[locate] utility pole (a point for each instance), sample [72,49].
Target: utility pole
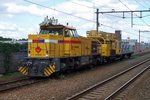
[131,19]
[139,41]
[97,19]
[140,37]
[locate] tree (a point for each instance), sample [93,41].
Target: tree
[7,49]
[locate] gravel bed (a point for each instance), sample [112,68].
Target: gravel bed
[138,90]
[59,89]
[102,91]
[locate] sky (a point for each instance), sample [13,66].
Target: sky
[18,18]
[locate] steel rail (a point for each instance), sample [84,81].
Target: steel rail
[126,84]
[82,93]
[12,81]
[16,83]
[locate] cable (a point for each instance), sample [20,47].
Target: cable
[108,26]
[140,3]
[146,16]
[124,17]
[120,17]
[113,15]
[139,25]
[145,3]
[97,6]
[67,13]
[59,11]
[92,2]
[124,31]
[134,13]
[82,5]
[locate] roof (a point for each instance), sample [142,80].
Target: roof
[57,26]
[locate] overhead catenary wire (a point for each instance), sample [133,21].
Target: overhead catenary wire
[128,25]
[92,3]
[139,24]
[137,16]
[146,16]
[66,13]
[146,3]
[117,16]
[134,13]
[59,11]
[90,7]
[113,15]
[124,31]
[115,22]
[140,4]
[82,5]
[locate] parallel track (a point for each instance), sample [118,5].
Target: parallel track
[105,90]
[16,83]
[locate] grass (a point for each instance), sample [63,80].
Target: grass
[9,76]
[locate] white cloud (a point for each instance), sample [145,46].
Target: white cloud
[11,30]
[7,26]
[78,10]
[13,8]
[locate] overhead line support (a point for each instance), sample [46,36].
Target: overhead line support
[97,19]
[126,11]
[133,11]
[131,19]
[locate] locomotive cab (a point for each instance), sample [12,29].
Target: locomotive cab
[47,48]
[51,27]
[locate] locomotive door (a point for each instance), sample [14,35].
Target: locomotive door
[52,50]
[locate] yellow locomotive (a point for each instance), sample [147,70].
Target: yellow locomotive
[58,48]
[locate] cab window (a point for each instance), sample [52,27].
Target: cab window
[73,33]
[52,31]
[67,33]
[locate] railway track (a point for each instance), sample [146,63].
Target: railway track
[17,83]
[111,87]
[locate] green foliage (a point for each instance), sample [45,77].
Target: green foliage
[6,49]
[5,39]
[10,76]
[22,46]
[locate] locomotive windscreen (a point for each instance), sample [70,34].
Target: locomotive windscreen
[53,31]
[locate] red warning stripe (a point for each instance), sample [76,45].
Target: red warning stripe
[38,41]
[35,41]
[72,41]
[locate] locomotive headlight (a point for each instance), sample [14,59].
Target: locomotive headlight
[46,53]
[29,53]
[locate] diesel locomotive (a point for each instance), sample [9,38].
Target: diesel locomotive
[59,47]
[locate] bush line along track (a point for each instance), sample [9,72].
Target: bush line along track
[16,83]
[102,90]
